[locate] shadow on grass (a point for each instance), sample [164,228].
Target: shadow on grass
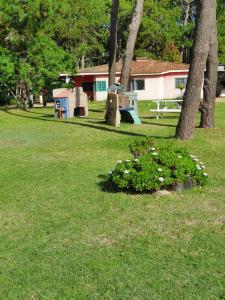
[96,110]
[154,121]
[106,186]
[40,113]
[158,124]
[104,126]
[166,117]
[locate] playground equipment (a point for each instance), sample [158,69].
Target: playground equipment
[70,102]
[121,105]
[62,110]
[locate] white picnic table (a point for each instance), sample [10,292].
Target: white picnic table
[160,110]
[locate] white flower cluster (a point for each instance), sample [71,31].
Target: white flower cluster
[161,179]
[119,161]
[154,153]
[152,149]
[159,169]
[136,160]
[200,165]
[126,172]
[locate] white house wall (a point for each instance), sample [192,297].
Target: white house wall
[156,87]
[153,89]
[170,87]
[100,96]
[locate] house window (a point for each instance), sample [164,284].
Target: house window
[138,85]
[100,86]
[180,81]
[88,86]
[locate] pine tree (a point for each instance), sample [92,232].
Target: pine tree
[191,101]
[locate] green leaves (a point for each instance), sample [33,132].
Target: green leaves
[48,60]
[29,52]
[157,169]
[221,30]
[41,38]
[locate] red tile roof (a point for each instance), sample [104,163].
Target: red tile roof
[140,66]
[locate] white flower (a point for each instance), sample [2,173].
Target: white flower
[136,160]
[195,159]
[192,156]
[159,169]
[152,149]
[110,172]
[161,179]
[119,161]
[203,167]
[205,174]
[154,153]
[126,172]
[198,167]
[179,156]
[127,160]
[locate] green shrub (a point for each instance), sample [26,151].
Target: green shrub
[157,169]
[141,147]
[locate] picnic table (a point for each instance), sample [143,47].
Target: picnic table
[160,110]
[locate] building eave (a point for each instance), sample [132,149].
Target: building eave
[134,74]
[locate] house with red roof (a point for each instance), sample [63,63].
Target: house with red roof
[150,79]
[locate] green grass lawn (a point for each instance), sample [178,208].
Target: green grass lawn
[64,237]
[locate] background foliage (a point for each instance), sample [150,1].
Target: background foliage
[41,38]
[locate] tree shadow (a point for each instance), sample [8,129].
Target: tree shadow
[158,124]
[98,120]
[96,110]
[4,108]
[154,117]
[40,113]
[156,121]
[106,128]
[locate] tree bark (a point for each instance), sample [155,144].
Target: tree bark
[187,121]
[210,81]
[113,41]
[82,62]
[133,31]
[186,10]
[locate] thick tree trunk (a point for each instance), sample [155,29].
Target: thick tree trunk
[186,8]
[133,31]
[210,80]
[22,94]
[113,41]
[191,101]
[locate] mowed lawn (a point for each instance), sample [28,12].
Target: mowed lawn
[63,236]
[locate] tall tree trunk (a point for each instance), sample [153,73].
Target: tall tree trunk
[113,41]
[210,80]
[186,125]
[133,31]
[82,62]
[186,8]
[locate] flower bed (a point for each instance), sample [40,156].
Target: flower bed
[157,169]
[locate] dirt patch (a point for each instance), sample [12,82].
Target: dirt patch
[99,240]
